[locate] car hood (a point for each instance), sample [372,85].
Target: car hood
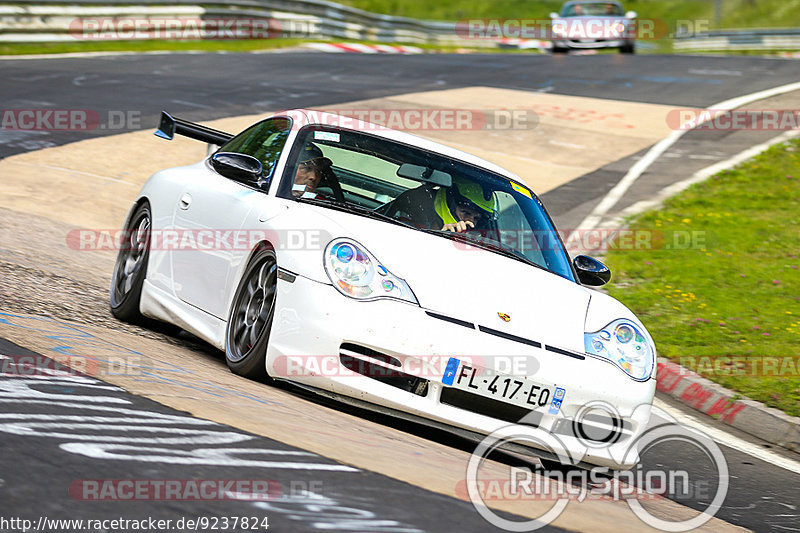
[464,282]
[620,18]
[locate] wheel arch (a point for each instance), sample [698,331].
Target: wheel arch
[134,206]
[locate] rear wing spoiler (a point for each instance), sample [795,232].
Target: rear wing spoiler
[170,126]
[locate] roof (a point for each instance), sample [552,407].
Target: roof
[305,117]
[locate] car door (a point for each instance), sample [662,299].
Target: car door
[209,216]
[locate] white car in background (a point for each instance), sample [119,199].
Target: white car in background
[592,25]
[355,290]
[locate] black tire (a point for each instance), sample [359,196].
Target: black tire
[559,50]
[130,269]
[250,319]
[627,48]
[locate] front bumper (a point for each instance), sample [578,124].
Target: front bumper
[590,44]
[315,329]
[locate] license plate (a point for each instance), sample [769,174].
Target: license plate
[515,390]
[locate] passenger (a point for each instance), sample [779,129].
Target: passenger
[311,168]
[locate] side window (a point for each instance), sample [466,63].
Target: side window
[264,141]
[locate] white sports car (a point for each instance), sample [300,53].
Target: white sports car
[393,272]
[593,24]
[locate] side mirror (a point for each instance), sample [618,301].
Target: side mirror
[553,15]
[591,271]
[239,167]
[630,15]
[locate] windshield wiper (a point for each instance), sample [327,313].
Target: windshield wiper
[483,244]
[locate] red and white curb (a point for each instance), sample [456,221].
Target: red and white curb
[524,44]
[754,418]
[356,48]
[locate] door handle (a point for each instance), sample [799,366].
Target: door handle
[186,201]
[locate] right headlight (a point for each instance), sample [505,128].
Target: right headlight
[622,343]
[358,274]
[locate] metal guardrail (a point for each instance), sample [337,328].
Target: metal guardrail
[54,20]
[751,39]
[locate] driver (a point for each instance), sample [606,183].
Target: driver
[463,206]
[311,167]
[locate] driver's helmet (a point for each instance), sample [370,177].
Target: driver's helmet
[466,193]
[471,194]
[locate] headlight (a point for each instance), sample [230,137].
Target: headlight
[622,343]
[358,274]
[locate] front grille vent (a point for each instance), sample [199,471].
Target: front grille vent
[365,361]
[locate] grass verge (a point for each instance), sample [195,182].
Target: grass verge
[733,289]
[252,45]
[734,13]
[231,45]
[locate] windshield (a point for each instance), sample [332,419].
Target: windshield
[592,9]
[372,176]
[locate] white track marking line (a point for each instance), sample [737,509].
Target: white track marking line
[71,55]
[731,441]
[700,175]
[619,190]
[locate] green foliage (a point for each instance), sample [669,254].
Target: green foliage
[735,13]
[735,289]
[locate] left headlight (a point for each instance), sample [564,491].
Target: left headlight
[623,343]
[356,273]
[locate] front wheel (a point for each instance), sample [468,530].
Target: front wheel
[131,267]
[250,319]
[627,48]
